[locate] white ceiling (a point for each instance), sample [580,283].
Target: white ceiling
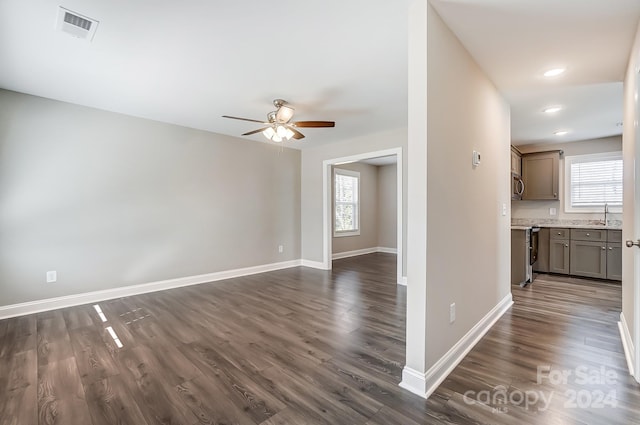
[190,62]
[381,160]
[516,41]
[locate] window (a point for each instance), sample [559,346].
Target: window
[591,181]
[347,202]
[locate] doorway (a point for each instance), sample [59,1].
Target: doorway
[327,211]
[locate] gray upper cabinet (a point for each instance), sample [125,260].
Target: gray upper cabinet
[540,173]
[516,165]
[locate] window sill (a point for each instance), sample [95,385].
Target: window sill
[344,234]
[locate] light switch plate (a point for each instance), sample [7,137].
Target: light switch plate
[476,158]
[504,209]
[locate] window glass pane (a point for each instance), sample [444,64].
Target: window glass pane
[346,203]
[596,183]
[345,217]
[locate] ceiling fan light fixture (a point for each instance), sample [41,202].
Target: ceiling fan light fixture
[281,131]
[289,134]
[276,138]
[284,114]
[269,133]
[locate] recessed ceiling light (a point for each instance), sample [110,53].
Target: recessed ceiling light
[552,109]
[560,132]
[554,72]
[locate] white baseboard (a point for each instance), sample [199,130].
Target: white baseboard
[355,253]
[364,251]
[313,264]
[125,291]
[424,384]
[627,344]
[403,281]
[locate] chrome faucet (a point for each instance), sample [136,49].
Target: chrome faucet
[606,211]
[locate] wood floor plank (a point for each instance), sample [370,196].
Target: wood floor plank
[110,402]
[304,346]
[92,354]
[20,336]
[18,385]
[157,399]
[61,397]
[52,338]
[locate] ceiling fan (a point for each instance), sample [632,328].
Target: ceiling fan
[279,126]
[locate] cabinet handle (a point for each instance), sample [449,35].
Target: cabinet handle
[566,245]
[559,233]
[610,248]
[604,247]
[588,234]
[555,195]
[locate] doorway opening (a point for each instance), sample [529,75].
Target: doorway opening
[353,217]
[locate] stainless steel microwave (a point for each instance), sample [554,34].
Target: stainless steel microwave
[517,186]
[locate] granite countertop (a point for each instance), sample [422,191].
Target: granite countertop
[525,223]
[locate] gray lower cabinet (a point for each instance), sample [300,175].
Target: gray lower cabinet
[589,259]
[559,256]
[614,261]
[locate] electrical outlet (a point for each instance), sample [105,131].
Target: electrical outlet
[280,249]
[452,313]
[553,211]
[504,209]
[52,276]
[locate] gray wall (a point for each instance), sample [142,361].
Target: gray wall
[387,206]
[459,243]
[110,200]
[540,209]
[368,237]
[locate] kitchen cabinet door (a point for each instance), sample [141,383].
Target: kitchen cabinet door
[540,173]
[516,166]
[559,256]
[614,261]
[589,259]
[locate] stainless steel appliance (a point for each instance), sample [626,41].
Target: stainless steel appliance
[517,186]
[524,254]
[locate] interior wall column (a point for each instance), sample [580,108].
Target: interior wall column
[413,375]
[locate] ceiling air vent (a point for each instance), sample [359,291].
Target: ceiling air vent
[75,24]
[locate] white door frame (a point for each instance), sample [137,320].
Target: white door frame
[636,213]
[327,213]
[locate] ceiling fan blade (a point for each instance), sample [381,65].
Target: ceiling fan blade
[296,134]
[249,133]
[311,124]
[244,119]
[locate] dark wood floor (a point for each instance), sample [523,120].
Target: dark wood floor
[303,346]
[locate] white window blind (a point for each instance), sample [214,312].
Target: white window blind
[594,180]
[347,185]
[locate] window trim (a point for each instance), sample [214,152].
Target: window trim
[344,233]
[568,160]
